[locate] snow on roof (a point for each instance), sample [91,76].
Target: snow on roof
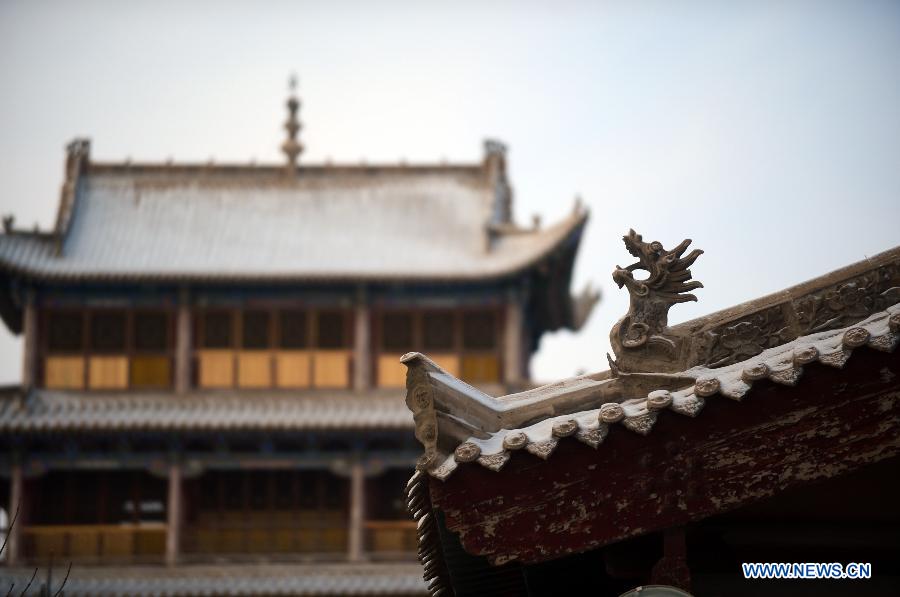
[262,223]
[56,410]
[782,364]
[321,578]
[822,320]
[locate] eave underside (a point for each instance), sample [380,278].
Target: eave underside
[736,453]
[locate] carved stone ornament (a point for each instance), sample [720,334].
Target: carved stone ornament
[707,386]
[659,399]
[467,452]
[855,337]
[849,301]
[611,413]
[806,355]
[755,372]
[738,341]
[564,428]
[515,441]
[641,339]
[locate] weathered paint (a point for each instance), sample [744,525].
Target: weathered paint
[834,422]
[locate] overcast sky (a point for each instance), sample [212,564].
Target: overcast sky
[768,132]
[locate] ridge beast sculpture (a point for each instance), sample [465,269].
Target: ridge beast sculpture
[642,340]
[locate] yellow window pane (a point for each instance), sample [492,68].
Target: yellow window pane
[292,368]
[481,368]
[331,368]
[64,373]
[391,373]
[216,368]
[107,373]
[150,372]
[447,362]
[254,369]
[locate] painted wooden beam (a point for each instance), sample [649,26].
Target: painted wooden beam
[833,422]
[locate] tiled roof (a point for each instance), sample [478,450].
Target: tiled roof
[263,224]
[243,579]
[486,430]
[48,410]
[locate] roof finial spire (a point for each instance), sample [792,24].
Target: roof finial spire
[291,147]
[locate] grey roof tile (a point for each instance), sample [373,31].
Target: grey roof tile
[151,223]
[242,579]
[41,410]
[552,406]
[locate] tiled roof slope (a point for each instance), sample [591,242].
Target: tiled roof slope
[47,410]
[233,580]
[261,223]
[562,418]
[822,320]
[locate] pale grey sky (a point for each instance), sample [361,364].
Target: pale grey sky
[769,132]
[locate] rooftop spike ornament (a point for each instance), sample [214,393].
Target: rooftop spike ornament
[291,147]
[642,339]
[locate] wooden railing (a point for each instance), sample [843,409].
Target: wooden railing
[391,538]
[326,539]
[144,542]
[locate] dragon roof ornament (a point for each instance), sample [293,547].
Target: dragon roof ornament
[660,367]
[642,339]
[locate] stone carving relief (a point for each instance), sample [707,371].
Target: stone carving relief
[641,339]
[643,342]
[736,341]
[849,302]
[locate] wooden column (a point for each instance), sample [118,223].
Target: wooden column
[362,340]
[173,514]
[183,345]
[356,537]
[16,502]
[512,341]
[672,568]
[30,348]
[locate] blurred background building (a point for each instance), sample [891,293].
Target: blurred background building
[212,362]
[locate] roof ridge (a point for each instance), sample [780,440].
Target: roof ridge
[273,168]
[444,411]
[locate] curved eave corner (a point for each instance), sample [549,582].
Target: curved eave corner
[458,425]
[553,306]
[578,306]
[10,303]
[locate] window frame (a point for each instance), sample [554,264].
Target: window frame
[86,352]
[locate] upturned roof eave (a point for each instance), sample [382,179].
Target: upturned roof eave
[460,415]
[562,232]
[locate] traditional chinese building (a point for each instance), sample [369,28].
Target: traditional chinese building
[767,432]
[212,363]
